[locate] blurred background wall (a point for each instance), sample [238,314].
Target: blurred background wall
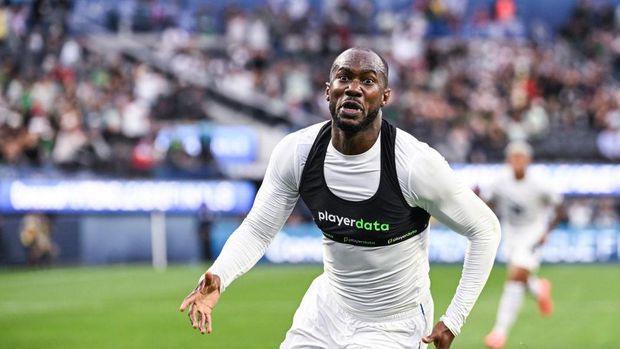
[110,111]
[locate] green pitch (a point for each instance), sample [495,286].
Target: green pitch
[136,307]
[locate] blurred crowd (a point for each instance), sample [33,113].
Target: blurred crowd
[467,83]
[64,108]
[585,212]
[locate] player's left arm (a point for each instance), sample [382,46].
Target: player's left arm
[438,190]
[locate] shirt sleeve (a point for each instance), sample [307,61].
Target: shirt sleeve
[273,204]
[437,189]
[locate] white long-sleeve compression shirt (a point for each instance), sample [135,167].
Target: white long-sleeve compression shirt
[372,282]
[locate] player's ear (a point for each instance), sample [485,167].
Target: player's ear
[386,96]
[327,91]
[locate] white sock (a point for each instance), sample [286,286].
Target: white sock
[509,306]
[533,286]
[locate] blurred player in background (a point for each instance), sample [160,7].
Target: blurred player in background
[36,237]
[371,189]
[205,217]
[523,203]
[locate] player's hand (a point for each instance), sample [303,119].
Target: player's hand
[441,336]
[476,190]
[201,302]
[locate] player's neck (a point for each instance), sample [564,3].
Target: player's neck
[358,142]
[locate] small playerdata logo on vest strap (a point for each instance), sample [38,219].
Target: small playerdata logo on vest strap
[359,223]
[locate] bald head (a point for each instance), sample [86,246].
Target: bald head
[370,58]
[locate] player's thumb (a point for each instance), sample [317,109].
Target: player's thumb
[209,285]
[208,278]
[430,338]
[185,303]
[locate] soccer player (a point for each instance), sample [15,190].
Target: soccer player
[371,189]
[523,203]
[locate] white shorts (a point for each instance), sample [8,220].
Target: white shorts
[521,246]
[320,322]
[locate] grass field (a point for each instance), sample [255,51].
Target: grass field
[136,307]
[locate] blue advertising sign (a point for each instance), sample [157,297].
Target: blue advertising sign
[238,144]
[229,144]
[568,179]
[228,197]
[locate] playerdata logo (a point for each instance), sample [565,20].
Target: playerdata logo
[360,224]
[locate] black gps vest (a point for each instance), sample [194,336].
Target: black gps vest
[383,219]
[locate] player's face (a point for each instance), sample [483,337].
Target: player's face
[518,162]
[356,91]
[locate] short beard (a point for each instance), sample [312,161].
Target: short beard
[352,129]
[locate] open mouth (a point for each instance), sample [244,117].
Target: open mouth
[351,107]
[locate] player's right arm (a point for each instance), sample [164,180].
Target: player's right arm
[274,202]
